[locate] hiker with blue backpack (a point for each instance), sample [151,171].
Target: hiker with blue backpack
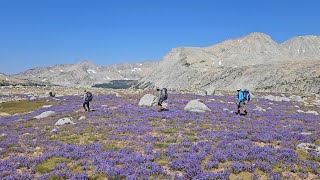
[243,98]
[163,95]
[87,97]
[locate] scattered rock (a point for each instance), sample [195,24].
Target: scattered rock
[306,133]
[308,147]
[269,108]
[3,135]
[45,114]
[46,106]
[312,112]
[63,121]
[300,111]
[277,98]
[147,100]
[225,109]
[32,98]
[258,108]
[82,118]
[196,106]
[296,99]
[316,102]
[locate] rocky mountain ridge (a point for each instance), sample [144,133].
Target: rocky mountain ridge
[86,73]
[254,61]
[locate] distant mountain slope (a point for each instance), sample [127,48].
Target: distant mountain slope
[254,61]
[86,73]
[6,80]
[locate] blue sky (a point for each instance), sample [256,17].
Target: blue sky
[46,32]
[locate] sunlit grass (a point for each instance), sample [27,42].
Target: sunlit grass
[49,164]
[14,107]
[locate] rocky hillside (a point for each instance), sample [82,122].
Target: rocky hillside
[6,80]
[86,73]
[254,61]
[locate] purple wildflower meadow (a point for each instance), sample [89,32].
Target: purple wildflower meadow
[120,140]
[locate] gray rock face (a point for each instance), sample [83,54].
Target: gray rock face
[147,100]
[63,121]
[308,147]
[86,74]
[196,106]
[45,114]
[254,62]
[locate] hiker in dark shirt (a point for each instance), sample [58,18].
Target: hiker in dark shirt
[87,98]
[163,95]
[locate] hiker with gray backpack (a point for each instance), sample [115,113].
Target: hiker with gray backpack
[243,98]
[163,95]
[87,97]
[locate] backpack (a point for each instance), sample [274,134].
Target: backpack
[246,95]
[164,93]
[89,97]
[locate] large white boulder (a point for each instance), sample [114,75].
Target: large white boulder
[211,90]
[63,121]
[148,100]
[196,106]
[45,114]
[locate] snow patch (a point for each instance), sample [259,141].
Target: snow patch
[91,71]
[7,79]
[220,63]
[136,69]
[140,64]
[44,80]
[61,70]
[51,71]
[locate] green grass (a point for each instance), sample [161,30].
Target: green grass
[66,138]
[161,145]
[49,164]
[302,154]
[190,133]
[110,146]
[171,140]
[162,162]
[14,107]
[97,176]
[192,138]
[168,131]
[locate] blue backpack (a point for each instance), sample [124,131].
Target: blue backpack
[246,95]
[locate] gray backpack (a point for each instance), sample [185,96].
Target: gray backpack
[89,97]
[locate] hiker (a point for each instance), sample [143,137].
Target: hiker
[87,97]
[243,98]
[163,95]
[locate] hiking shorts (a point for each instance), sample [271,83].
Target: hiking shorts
[160,101]
[241,105]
